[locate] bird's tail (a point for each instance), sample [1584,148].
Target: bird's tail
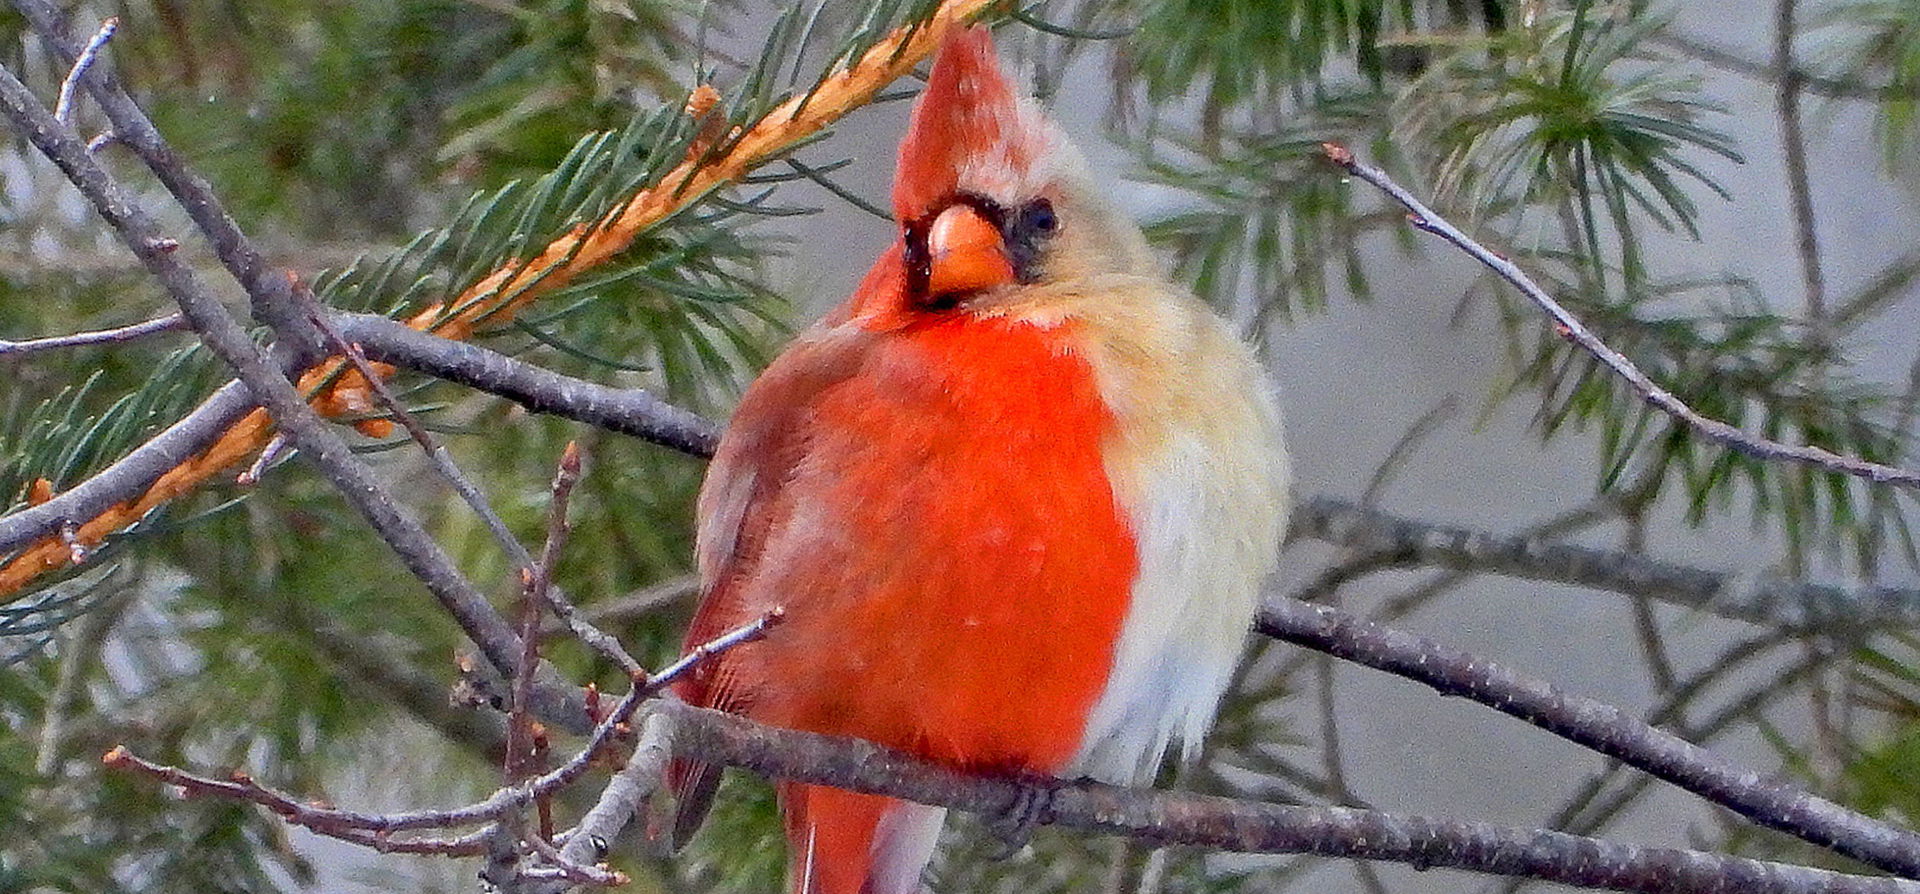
[840,842]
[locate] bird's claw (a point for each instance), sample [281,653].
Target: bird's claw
[1032,806]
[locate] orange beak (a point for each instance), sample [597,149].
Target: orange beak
[965,253]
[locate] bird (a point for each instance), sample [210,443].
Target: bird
[1014,499]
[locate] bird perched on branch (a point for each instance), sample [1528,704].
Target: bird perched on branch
[1016,495]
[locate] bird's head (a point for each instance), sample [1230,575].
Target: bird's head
[990,194]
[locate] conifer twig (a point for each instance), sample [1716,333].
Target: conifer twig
[496,297]
[1570,328]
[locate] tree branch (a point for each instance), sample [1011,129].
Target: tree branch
[266,289]
[316,440]
[1598,726]
[1162,817]
[500,809]
[1570,328]
[627,411]
[166,466]
[1818,84]
[1759,598]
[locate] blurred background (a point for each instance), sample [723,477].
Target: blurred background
[1729,207]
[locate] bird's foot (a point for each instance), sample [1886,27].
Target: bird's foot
[1032,807]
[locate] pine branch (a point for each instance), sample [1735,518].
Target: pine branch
[1780,603]
[306,430]
[1569,327]
[132,480]
[499,296]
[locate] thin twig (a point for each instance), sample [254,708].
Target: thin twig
[1799,190]
[644,601]
[275,450]
[1331,758]
[495,807]
[170,323]
[1404,448]
[599,640]
[318,817]
[518,761]
[1569,327]
[63,111]
[436,452]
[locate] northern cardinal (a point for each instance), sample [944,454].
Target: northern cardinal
[1015,496]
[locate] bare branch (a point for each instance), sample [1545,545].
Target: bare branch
[1570,328]
[16,349]
[1799,190]
[1601,727]
[1161,817]
[626,411]
[63,110]
[373,829]
[317,817]
[605,643]
[1755,597]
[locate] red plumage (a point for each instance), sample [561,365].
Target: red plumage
[984,512]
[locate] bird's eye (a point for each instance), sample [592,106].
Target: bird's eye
[1038,216]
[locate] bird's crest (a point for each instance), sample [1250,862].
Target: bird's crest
[970,132]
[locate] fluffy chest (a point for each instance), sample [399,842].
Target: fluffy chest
[932,508]
[1197,463]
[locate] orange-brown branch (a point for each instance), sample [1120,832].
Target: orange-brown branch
[502,294]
